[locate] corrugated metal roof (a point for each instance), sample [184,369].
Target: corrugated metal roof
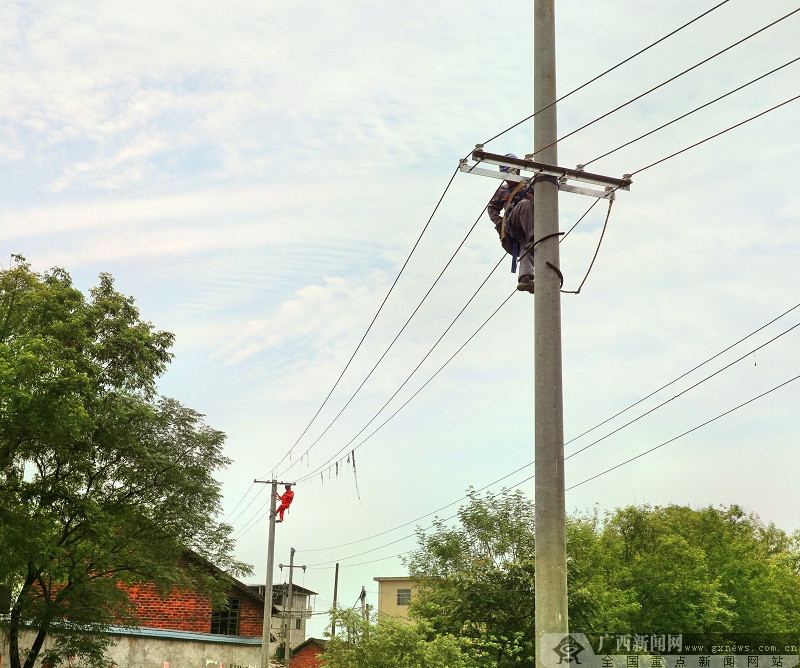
[170,634]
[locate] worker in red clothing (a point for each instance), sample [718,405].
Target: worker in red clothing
[286,501]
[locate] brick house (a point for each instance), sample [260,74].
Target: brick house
[189,611]
[305,655]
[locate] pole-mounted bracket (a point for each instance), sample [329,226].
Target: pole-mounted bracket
[563,174]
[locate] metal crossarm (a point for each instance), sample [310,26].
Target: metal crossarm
[563,174]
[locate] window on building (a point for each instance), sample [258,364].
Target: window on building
[298,624]
[226,620]
[403,596]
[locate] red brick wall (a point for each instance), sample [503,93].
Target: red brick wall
[306,657]
[189,611]
[251,616]
[180,611]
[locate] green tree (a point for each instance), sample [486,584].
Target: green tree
[389,643]
[101,480]
[712,570]
[666,569]
[476,581]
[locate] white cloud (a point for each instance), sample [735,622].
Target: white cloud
[257,174]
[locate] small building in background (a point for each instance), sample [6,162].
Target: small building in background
[394,596]
[307,654]
[299,614]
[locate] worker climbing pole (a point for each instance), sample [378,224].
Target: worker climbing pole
[286,500]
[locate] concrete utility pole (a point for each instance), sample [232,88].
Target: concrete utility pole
[335,593]
[266,629]
[548,179]
[551,552]
[363,598]
[289,608]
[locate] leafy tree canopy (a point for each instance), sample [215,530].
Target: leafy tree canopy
[642,569]
[102,481]
[389,643]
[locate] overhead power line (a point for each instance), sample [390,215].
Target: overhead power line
[661,405]
[670,80]
[629,407]
[422,361]
[683,375]
[689,431]
[394,340]
[344,448]
[374,318]
[689,113]
[608,71]
[714,136]
[288,453]
[688,389]
[422,387]
[325,564]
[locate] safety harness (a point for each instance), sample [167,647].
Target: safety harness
[514,242]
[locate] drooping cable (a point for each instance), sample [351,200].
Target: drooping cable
[394,340]
[714,136]
[689,113]
[374,318]
[596,251]
[428,354]
[608,71]
[664,83]
[689,431]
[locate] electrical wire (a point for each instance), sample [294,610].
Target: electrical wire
[344,448]
[683,375]
[450,359]
[241,512]
[661,405]
[664,83]
[597,250]
[259,514]
[238,503]
[714,136]
[394,340]
[689,113]
[422,361]
[672,440]
[372,322]
[500,134]
[594,477]
[608,71]
[636,403]
[688,389]
[414,521]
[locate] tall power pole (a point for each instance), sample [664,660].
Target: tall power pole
[551,552]
[266,629]
[335,594]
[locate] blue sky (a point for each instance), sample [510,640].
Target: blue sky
[256,175]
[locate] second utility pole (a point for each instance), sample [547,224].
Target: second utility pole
[550,531]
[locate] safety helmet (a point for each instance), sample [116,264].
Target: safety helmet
[503,168]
